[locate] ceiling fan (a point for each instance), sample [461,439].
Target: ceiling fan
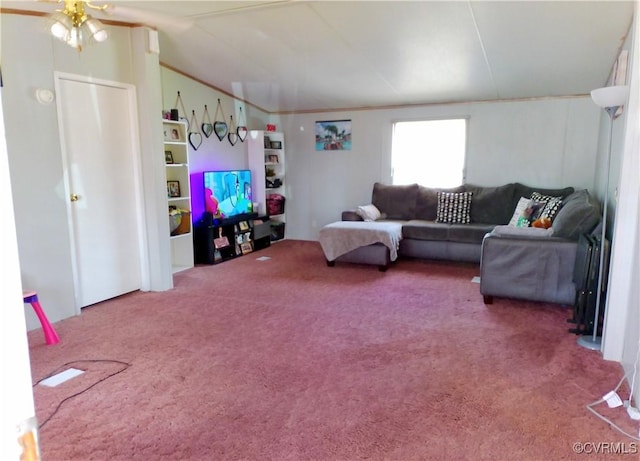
[77,28]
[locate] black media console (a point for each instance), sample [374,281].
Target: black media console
[218,240]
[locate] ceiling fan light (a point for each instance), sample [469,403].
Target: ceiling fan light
[76,28]
[75,39]
[95,30]
[61,25]
[610,96]
[60,32]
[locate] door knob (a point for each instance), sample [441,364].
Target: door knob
[74,197]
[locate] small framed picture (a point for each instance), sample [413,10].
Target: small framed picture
[173,188]
[220,242]
[174,134]
[244,225]
[168,157]
[272,158]
[246,248]
[276,145]
[267,142]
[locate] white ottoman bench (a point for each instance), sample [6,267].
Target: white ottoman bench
[361,242]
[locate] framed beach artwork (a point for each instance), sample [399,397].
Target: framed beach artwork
[333,135]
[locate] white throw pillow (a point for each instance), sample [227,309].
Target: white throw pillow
[368,212]
[522,205]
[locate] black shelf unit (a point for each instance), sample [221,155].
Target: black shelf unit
[216,240]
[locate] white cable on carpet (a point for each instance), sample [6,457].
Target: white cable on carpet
[608,421]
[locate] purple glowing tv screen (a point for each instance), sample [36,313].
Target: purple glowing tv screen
[228,193]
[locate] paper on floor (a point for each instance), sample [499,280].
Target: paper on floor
[59,378]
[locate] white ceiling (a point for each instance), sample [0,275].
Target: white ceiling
[296,55]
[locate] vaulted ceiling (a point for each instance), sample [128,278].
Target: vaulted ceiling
[291,55]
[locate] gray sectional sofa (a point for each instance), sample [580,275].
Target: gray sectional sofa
[537,267]
[526,263]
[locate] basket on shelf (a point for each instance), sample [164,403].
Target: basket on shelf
[180,223]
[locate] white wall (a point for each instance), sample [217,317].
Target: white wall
[146,72]
[36,169]
[16,398]
[545,143]
[621,340]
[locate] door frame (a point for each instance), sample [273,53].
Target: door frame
[138,196]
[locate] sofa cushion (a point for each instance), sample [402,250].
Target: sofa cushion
[521,190]
[427,201]
[395,201]
[454,207]
[492,205]
[468,233]
[579,214]
[419,229]
[512,231]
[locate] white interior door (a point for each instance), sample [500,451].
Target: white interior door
[99,145]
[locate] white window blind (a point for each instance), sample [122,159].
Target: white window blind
[429,152]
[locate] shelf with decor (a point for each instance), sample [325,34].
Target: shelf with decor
[176,157]
[268,167]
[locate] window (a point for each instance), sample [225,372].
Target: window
[429,152]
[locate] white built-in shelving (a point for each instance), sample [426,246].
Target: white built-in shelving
[176,153]
[268,167]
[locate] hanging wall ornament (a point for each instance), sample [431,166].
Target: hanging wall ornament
[195,138]
[220,127]
[242,128]
[233,135]
[178,107]
[207,127]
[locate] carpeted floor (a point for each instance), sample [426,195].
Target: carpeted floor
[288,359]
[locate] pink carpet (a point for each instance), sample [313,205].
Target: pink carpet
[288,359]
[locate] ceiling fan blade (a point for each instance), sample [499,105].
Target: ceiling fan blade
[148,17]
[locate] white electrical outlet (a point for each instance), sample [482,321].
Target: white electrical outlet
[613,399]
[634,413]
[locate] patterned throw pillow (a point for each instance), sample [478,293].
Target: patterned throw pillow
[551,207]
[454,207]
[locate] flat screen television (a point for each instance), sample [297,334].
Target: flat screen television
[227,194]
